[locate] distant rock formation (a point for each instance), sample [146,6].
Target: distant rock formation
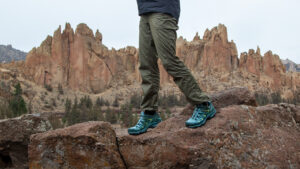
[240,136]
[211,54]
[291,66]
[269,67]
[9,54]
[80,61]
[215,64]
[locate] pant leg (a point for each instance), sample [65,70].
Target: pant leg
[148,66]
[163,28]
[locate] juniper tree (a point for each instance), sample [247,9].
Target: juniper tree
[17,104]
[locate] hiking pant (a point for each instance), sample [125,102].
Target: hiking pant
[157,39]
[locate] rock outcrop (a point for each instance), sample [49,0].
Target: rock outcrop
[91,145]
[240,136]
[268,68]
[213,53]
[78,60]
[214,63]
[14,139]
[269,72]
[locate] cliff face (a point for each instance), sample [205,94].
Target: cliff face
[268,68]
[214,62]
[211,54]
[78,60]
[269,72]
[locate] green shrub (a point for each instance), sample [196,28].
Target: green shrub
[111,116]
[48,87]
[100,102]
[261,99]
[60,89]
[135,100]
[276,98]
[5,111]
[115,103]
[17,104]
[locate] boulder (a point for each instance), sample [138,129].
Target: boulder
[233,96]
[14,139]
[91,145]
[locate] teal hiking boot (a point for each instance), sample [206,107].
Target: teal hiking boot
[200,115]
[146,121]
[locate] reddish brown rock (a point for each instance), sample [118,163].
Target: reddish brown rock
[78,60]
[233,96]
[268,68]
[252,62]
[239,136]
[14,139]
[91,145]
[274,69]
[212,53]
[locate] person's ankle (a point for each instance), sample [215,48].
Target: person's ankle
[150,112]
[203,104]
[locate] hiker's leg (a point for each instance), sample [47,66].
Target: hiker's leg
[148,66]
[163,28]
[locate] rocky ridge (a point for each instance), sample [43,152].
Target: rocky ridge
[9,54]
[291,66]
[240,136]
[78,60]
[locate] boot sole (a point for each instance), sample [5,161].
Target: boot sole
[144,130]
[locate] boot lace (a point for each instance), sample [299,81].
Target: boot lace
[198,114]
[141,122]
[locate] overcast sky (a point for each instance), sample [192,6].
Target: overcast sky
[271,24]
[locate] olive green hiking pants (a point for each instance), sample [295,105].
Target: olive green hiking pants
[157,39]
